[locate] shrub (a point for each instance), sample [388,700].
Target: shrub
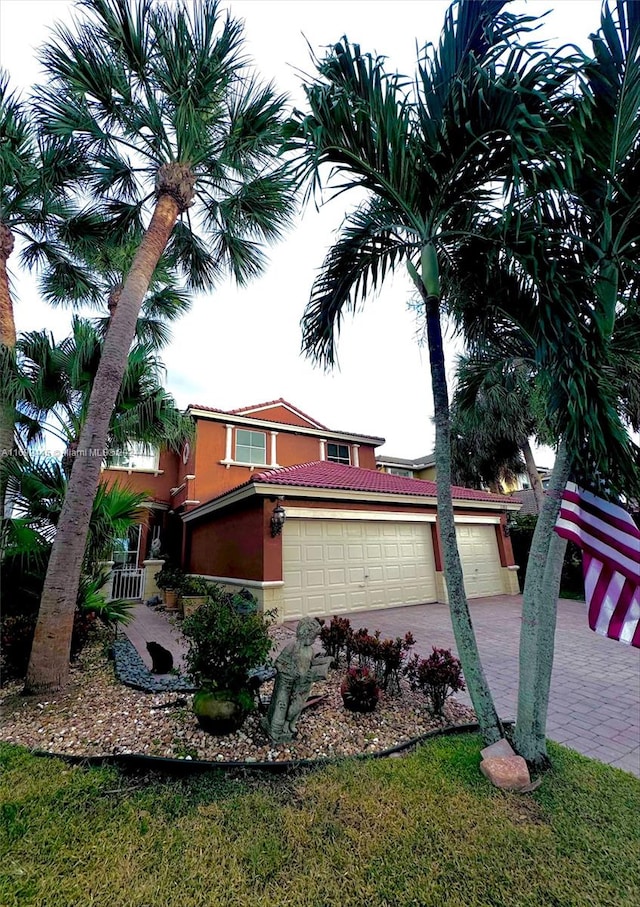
[170,578]
[337,639]
[383,657]
[360,690]
[391,654]
[225,645]
[16,638]
[438,677]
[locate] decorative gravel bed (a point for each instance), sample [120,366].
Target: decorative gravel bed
[96,715]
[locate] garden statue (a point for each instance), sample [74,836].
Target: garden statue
[154,550]
[297,667]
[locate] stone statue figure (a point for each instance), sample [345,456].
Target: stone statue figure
[297,666]
[154,550]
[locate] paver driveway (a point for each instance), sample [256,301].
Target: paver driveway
[595,688]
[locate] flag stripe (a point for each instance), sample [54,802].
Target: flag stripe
[616,624]
[613,514]
[627,540]
[570,526]
[610,542]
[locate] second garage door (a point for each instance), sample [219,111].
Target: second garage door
[340,566]
[480,558]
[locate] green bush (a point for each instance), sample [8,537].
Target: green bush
[224,644]
[170,578]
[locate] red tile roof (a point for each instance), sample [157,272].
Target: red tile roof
[282,402]
[256,406]
[324,474]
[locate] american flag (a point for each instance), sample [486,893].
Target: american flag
[610,542]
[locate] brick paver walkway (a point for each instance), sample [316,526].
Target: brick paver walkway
[595,688]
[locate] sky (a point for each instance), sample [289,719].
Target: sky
[238,347]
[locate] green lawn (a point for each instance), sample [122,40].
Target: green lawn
[425,829]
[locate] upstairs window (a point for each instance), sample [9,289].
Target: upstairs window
[406,473]
[251,447]
[339,453]
[136,455]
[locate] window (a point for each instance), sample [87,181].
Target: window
[251,447]
[126,550]
[407,473]
[136,455]
[339,453]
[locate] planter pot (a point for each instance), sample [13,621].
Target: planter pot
[171,599]
[191,603]
[221,712]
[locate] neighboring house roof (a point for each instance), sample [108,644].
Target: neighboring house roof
[342,480]
[259,412]
[528,499]
[325,474]
[403,463]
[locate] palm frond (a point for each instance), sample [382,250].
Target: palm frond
[367,248]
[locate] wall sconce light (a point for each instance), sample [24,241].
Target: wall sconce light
[277,520]
[507,525]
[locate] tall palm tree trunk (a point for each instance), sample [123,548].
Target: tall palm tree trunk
[475,678]
[539,605]
[534,477]
[7,346]
[49,661]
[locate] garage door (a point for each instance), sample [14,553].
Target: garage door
[340,566]
[480,558]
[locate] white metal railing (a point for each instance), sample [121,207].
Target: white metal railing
[128,582]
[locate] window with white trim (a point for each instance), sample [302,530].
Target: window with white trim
[136,455]
[251,447]
[339,453]
[396,471]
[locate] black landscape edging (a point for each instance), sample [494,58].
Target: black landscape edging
[131,670]
[183,766]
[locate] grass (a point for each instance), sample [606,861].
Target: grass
[423,830]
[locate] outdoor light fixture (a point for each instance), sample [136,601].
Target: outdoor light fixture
[507,525]
[277,520]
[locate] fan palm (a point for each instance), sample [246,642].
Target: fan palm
[173,126]
[426,157]
[87,268]
[33,176]
[56,379]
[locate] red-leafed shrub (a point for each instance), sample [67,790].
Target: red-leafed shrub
[360,690]
[337,638]
[438,677]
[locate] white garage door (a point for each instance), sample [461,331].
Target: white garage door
[339,566]
[478,548]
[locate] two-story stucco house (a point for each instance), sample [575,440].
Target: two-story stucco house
[353,537]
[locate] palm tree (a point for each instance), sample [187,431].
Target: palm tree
[494,416]
[34,175]
[596,291]
[173,125]
[56,379]
[39,485]
[427,158]
[86,268]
